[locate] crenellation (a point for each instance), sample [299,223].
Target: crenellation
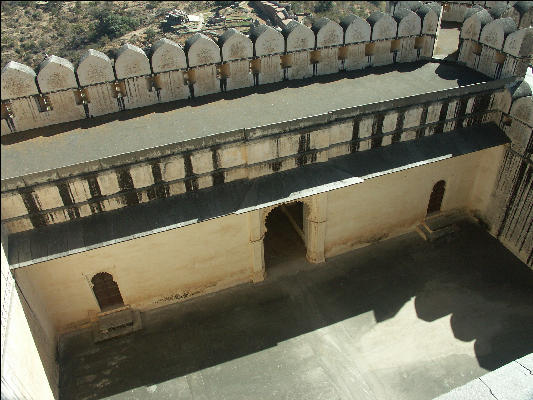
[237,51]
[521,12]
[168,63]
[299,40]
[101,86]
[494,47]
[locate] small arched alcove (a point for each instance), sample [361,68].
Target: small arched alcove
[106,291]
[435,199]
[285,237]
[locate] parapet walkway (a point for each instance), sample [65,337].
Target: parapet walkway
[130,131]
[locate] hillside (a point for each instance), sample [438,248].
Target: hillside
[32,29]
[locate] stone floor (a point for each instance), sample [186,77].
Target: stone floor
[400,319]
[448,40]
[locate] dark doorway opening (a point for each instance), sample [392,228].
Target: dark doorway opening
[284,242]
[106,291]
[435,200]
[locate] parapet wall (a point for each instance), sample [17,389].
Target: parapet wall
[520,11]
[495,47]
[59,92]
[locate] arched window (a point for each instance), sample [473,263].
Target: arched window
[435,200]
[106,291]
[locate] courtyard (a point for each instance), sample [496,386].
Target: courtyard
[399,319]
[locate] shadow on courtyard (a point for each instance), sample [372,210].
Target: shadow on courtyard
[469,275]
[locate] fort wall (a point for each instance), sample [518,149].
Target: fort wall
[29,367]
[60,92]
[376,207]
[86,189]
[457,11]
[183,271]
[380,208]
[495,47]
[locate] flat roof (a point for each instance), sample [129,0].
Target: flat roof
[237,197]
[129,131]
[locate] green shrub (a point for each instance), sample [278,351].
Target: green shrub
[150,34]
[323,6]
[113,25]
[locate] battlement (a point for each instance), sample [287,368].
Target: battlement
[60,92]
[520,11]
[495,47]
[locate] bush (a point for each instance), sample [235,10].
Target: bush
[323,6]
[150,34]
[113,25]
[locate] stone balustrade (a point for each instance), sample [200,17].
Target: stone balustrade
[59,92]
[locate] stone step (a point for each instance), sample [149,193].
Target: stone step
[114,324]
[423,232]
[442,220]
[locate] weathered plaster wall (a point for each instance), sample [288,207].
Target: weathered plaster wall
[393,204]
[29,369]
[151,271]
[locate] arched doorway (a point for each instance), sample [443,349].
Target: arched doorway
[106,291]
[435,199]
[284,242]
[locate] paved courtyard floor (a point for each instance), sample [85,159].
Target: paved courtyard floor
[400,319]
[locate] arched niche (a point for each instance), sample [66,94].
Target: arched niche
[131,61]
[429,19]
[519,43]
[473,24]
[167,56]
[94,67]
[356,29]
[298,37]
[56,73]
[201,50]
[408,22]
[266,41]
[383,26]
[235,45]
[18,80]
[328,33]
[106,291]
[495,32]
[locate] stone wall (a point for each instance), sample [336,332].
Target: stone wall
[86,189]
[29,368]
[204,257]
[495,47]
[511,210]
[378,209]
[151,271]
[458,11]
[61,92]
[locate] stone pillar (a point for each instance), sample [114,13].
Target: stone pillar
[257,253]
[315,217]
